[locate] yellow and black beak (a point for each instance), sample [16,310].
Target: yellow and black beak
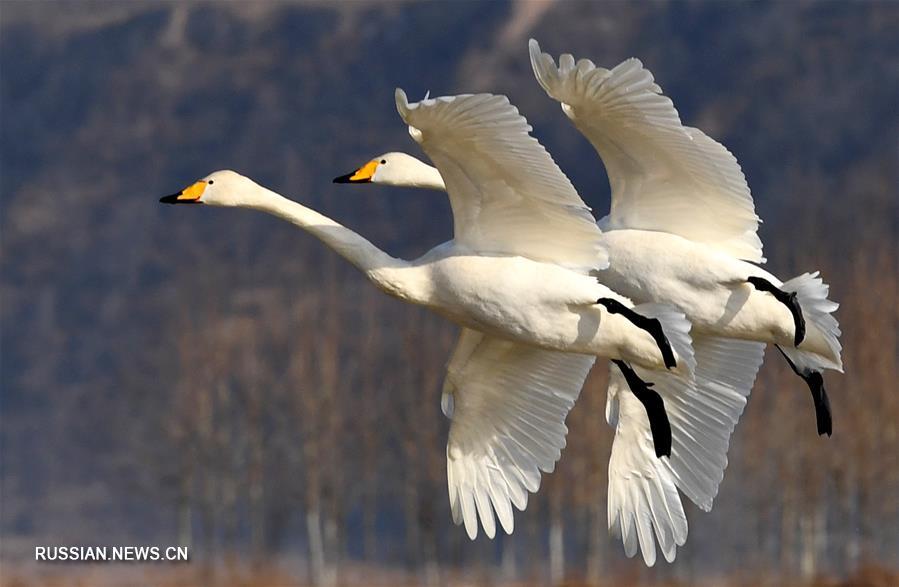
[189,195]
[361,175]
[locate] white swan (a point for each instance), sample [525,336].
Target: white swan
[682,228]
[516,278]
[681,231]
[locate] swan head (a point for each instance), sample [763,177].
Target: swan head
[219,188]
[396,169]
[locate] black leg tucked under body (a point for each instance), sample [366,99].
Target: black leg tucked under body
[786,298]
[650,325]
[655,409]
[815,382]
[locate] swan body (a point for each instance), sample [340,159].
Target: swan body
[709,286]
[534,303]
[682,231]
[518,278]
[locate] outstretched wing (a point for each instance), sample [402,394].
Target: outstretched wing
[664,176]
[508,195]
[508,403]
[643,498]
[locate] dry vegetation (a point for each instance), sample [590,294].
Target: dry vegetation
[869,576]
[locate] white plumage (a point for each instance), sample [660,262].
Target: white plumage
[682,230]
[508,424]
[507,194]
[520,278]
[664,176]
[517,279]
[682,225]
[644,506]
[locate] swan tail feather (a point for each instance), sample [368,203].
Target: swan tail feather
[811,293]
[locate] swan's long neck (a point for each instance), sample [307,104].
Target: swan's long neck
[395,276]
[429,178]
[414,173]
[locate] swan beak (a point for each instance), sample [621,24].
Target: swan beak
[189,195]
[361,175]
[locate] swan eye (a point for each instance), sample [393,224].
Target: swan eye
[383,161]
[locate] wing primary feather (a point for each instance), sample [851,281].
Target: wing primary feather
[664,176]
[508,425]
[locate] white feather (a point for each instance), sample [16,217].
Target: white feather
[644,505]
[507,194]
[817,309]
[664,176]
[511,401]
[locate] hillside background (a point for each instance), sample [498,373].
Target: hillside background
[216,378]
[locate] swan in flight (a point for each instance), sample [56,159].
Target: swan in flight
[518,277]
[682,230]
[682,226]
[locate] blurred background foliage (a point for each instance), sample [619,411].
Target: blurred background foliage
[218,379]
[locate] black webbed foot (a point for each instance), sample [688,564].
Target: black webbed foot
[786,298]
[655,409]
[815,382]
[650,325]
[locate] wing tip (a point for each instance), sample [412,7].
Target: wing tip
[402,102]
[535,53]
[543,65]
[533,48]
